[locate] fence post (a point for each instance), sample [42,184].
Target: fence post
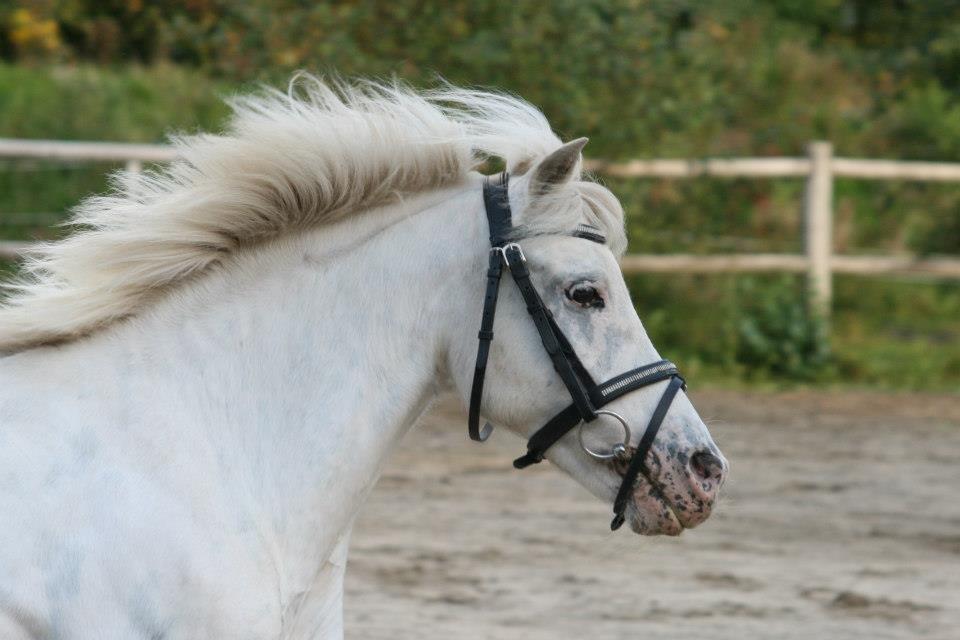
[818,226]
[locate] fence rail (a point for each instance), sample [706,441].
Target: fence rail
[89,151]
[789,262]
[779,168]
[819,168]
[11,249]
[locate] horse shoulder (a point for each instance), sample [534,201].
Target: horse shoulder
[89,514]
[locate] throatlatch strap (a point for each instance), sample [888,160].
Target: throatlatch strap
[497,205]
[494,271]
[638,461]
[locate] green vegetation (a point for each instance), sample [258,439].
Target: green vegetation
[642,78]
[736,330]
[83,102]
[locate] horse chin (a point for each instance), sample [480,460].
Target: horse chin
[651,515]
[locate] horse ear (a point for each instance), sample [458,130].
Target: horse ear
[558,167]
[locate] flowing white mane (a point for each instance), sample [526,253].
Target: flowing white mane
[286,160]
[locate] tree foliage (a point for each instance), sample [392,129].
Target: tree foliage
[642,78]
[681,77]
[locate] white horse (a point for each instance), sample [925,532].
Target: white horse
[201,384]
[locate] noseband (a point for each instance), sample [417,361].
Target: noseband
[588,396]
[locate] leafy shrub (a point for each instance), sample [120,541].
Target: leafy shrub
[777,335]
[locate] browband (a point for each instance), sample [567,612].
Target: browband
[587,396]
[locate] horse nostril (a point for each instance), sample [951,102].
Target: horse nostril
[706,466]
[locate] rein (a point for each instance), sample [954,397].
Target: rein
[587,396]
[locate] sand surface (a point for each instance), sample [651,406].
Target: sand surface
[841,519]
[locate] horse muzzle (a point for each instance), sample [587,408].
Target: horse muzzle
[677,490]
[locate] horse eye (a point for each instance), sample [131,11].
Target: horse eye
[585,295]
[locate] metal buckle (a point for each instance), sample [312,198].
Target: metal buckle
[618,450]
[514,245]
[503,252]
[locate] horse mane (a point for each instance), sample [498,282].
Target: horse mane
[287,160]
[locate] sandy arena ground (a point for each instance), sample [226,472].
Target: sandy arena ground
[840,519]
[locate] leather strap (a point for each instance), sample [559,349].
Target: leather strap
[485,335]
[547,436]
[496,200]
[571,355]
[600,395]
[588,232]
[634,379]
[545,327]
[638,462]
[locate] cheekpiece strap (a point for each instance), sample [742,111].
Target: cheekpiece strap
[542,319]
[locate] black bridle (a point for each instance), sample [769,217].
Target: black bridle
[588,396]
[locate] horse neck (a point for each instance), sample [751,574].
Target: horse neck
[303,364]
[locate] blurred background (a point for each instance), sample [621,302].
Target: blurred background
[641,78]
[841,427]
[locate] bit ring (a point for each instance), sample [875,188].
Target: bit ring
[618,449]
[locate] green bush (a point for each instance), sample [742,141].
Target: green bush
[777,334]
[897,333]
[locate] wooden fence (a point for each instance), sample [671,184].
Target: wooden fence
[818,168]
[818,261]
